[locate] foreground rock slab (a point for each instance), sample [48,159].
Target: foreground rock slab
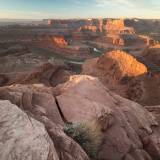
[39,104]
[129,131]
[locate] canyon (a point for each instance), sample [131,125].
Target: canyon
[80,89]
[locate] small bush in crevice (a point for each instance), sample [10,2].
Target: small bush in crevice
[89,138]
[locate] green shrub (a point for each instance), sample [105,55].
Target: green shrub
[89,138]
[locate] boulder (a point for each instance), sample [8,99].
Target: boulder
[127,129]
[22,137]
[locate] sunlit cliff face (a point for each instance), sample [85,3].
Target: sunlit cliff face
[113,66]
[116,24]
[117,27]
[125,63]
[59,41]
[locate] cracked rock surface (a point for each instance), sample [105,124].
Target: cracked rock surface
[129,131]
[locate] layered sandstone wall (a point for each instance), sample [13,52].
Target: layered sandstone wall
[117,27]
[115,24]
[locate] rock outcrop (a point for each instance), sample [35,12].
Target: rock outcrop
[41,106]
[129,130]
[113,66]
[30,68]
[22,137]
[120,72]
[47,74]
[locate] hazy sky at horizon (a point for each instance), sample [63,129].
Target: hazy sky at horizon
[40,9]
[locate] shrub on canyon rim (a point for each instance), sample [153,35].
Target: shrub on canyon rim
[88,137]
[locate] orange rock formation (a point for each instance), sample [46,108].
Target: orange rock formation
[59,41]
[120,72]
[115,24]
[125,63]
[115,65]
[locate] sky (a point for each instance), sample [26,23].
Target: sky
[44,9]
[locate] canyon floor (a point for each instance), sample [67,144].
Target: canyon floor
[80,90]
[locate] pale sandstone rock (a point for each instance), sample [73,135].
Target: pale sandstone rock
[37,102]
[128,130]
[22,137]
[132,130]
[40,105]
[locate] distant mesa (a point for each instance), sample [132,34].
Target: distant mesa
[112,26]
[113,31]
[117,27]
[104,34]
